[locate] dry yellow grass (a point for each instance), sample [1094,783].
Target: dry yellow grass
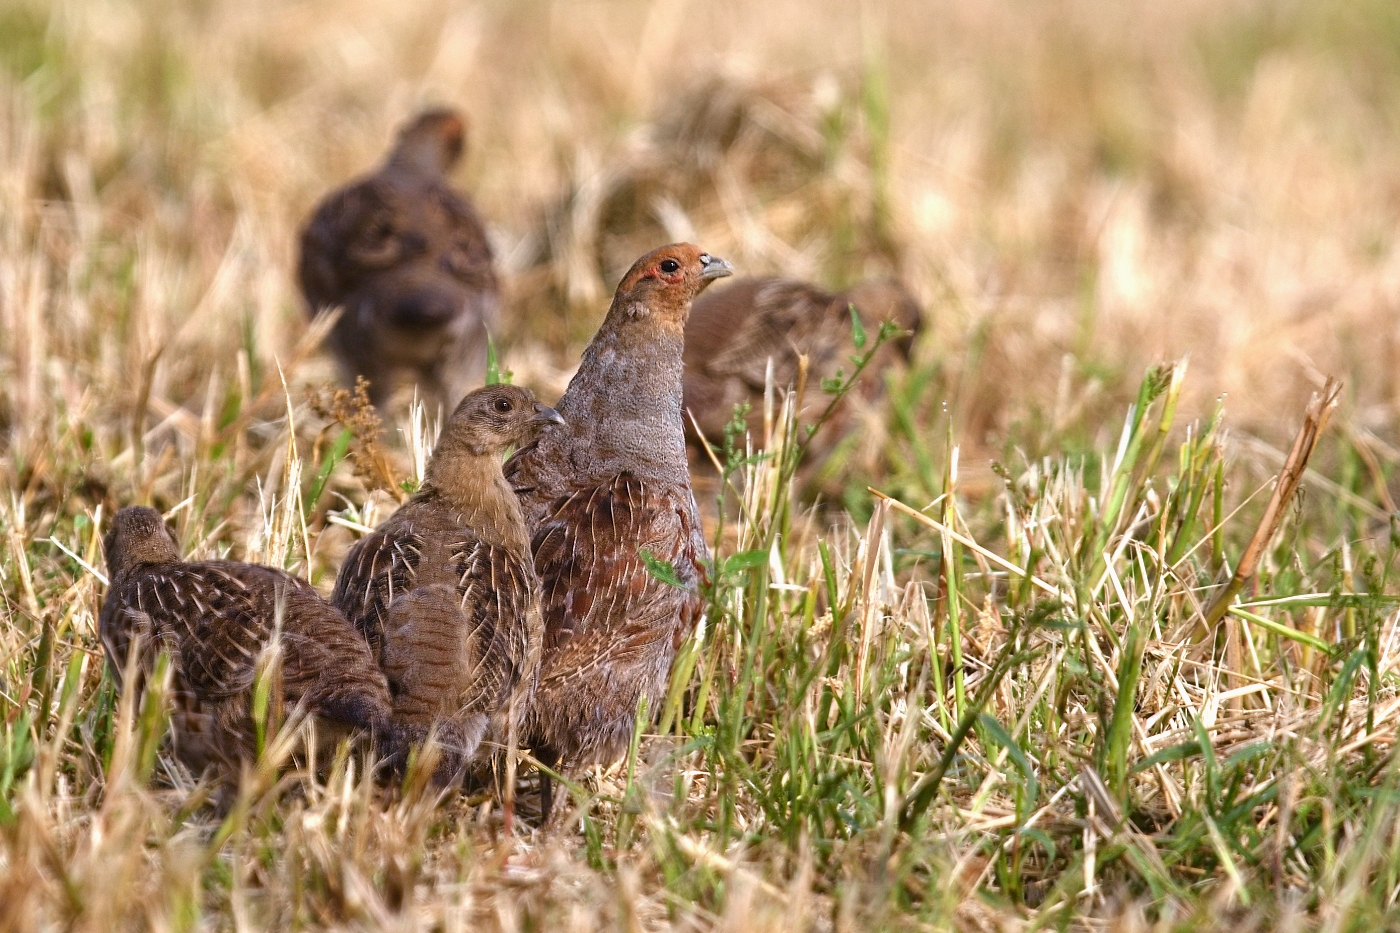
[1077,189]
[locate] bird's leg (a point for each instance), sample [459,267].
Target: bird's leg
[550,759]
[512,746]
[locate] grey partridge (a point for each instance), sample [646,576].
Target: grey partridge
[734,332]
[216,618]
[445,590]
[601,493]
[407,258]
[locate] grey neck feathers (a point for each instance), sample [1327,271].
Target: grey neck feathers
[472,485]
[623,405]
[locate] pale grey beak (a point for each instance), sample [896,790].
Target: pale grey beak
[712,267]
[546,415]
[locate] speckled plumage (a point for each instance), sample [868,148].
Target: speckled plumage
[408,259]
[612,482]
[445,591]
[733,333]
[216,618]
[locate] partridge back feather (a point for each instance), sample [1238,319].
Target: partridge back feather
[612,628]
[452,619]
[788,318]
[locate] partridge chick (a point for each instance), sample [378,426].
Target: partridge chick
[597,492]
[215,618]
[445,590]
[734,332]
[407,259]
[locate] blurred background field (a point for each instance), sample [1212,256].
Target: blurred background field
[1074,189]
[1077,190]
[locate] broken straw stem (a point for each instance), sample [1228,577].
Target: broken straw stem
[1314,420]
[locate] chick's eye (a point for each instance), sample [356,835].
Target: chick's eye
[502,405]
[670,266]
[377,229]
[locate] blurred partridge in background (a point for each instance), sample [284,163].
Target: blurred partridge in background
[407,259]
[735,331]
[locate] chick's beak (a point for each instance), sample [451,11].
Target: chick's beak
[546,415]
[712,267]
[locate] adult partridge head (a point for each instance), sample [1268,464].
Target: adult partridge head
[663,283]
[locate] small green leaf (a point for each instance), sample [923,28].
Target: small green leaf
[262,699]
[1173,753]
[1250,752]
[1042,837]
[333,457]
[1016,754]
[744,560]
[857,329]
[662,570]
[154,717]
[1208,764]
[1341,688]
[495,375]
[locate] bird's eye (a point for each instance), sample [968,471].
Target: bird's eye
[670,266]
[502,405]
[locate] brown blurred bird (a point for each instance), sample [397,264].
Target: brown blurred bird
[216,619]
[445,590]
[407,259]
[734,332]
[600,492]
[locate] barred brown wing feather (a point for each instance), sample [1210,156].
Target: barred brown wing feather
[379,569]
[496,592]
[424,652]
[596,581]
[456,647]
[216,619]
[611,627]
[212,619]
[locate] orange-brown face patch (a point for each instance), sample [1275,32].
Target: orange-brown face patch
[654,265]
[672,276]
